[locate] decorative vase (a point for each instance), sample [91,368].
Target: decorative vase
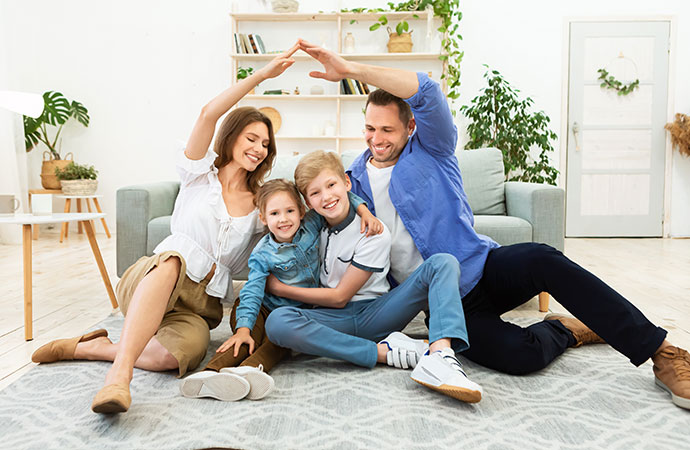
[349,43]
[79,187]
[399,43]
[284,6]
[48,178]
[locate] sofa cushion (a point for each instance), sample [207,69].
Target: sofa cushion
[158,229]
[284,167]
[505,230]
[483,179]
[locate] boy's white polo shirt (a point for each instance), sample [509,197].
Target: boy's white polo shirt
[343,245]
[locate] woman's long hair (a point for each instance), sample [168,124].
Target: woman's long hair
[227,136]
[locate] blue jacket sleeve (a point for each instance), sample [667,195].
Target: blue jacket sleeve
[252,293]
[436,132]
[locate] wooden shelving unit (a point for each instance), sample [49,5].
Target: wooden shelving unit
[420,61]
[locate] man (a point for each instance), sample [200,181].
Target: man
[410,178]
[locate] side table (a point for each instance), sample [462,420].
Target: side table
[27,220]
[68,205]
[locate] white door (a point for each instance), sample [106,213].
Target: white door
[616,143]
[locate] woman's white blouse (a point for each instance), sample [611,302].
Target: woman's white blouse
[202,230]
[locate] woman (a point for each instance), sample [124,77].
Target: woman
[172,299]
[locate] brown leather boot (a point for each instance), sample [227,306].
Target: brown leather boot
[583,335]
[672,373]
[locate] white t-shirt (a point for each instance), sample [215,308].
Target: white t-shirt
[204,233]
[343,245]
[405,258]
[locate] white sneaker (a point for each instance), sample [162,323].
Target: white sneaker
[260,383]
[441,371]
[226,387]
[403,351]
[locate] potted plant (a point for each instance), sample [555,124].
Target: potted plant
[77,179]
[449,13]
[57,111]
[244,72]
[498,118]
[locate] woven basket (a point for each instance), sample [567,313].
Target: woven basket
[399,43]
[79,187]
[48,178]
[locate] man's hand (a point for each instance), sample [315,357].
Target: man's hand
[279,64]
[336,67]
[371,224]
[240,337]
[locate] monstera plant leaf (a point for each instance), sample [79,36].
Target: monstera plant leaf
[31,132]
[57,109]
[79,112]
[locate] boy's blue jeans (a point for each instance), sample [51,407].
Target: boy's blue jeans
[351,333]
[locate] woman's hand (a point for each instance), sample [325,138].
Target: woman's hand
[279,64]
[242,336]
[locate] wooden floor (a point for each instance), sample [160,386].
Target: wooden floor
[69,296]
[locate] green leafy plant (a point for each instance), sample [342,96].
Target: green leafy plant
[449,13]
[244,72]
[500,119]
[57,111]
[610,82]
[75,171]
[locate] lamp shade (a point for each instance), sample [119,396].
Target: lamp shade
[24,103]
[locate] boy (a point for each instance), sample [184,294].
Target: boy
[353,271]
[291,252]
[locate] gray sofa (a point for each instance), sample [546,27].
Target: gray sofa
[508,212]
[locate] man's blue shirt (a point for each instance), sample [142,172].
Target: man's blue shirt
[426,187]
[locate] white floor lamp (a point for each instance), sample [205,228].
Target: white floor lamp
[13,168]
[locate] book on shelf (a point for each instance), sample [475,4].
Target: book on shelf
[247,45]
[344,88]
[260,43]
[252,41]
[238,47]
[351,84]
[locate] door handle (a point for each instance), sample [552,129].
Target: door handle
[576,132]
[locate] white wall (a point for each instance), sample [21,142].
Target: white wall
[144,69]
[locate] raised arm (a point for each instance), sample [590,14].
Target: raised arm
[205,125]
[351,282]
[402,83]
[436,131]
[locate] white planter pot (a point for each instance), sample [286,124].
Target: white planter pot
[79,187]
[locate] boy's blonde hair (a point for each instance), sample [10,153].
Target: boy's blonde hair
[272,187]
[312,164]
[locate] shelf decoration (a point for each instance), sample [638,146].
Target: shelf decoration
[449,13]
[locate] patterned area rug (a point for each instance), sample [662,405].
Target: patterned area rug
[591,397]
